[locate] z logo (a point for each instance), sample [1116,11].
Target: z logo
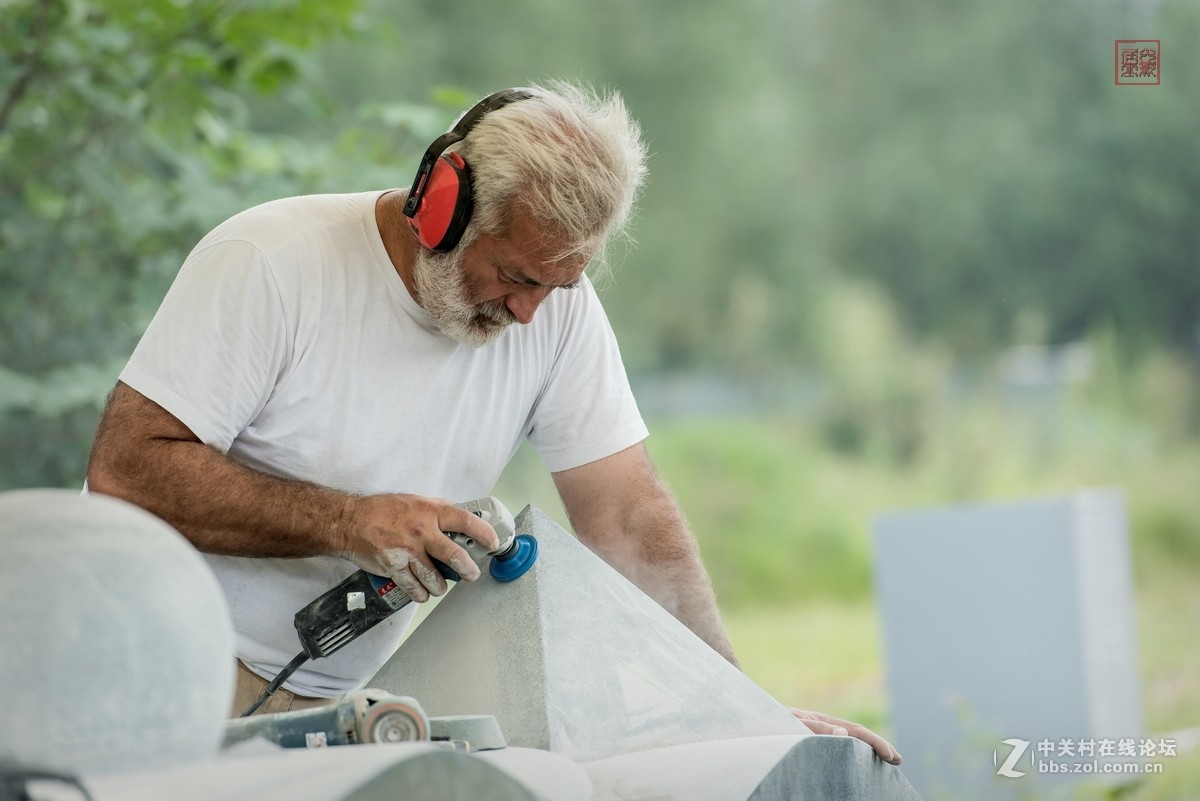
[1018,750]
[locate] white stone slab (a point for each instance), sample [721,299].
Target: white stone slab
[408,771]
[833,769]
[1006,621]
[574,659]
[116,649]
[779,768]
[550,777]
[720,770]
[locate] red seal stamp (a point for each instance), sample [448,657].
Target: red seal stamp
[1137,62]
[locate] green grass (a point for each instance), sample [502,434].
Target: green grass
[1168,609]
[1179,781]
[824,656]
[782,518]
[827,656]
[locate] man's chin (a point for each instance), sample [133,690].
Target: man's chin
[480,331]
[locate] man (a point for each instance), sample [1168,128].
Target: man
[324,369]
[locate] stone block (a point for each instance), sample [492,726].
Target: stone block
[117,649]
[1006,621]
[409,771]
[574,659]
[777,768]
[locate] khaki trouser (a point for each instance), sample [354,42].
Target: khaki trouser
[250,686]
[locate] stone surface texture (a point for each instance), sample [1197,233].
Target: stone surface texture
[1006,621]
[409,771]
[719,770]
[833,769]
[777,768]
[117,646]
[575,659]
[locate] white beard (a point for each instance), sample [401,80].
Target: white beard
[443,292]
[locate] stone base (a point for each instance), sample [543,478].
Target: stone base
[780,768]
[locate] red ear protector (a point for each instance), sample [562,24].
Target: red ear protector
[441,199]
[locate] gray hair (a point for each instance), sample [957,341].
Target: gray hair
[574,159]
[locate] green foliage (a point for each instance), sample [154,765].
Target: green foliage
[884,393]
[783,509]
[751,492]
[124,137]
[973,159]
[821,655]
[981,163]
[972,163]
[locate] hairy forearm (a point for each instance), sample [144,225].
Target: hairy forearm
[219,504]
[224,507]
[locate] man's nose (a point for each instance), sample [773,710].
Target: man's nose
[524,302]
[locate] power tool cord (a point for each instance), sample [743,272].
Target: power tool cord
[276,683]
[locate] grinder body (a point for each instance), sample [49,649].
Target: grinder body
[344,612]
[363,600]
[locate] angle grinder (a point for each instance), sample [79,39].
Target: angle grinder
[360,602]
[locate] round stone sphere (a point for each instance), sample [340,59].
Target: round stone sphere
[116,648]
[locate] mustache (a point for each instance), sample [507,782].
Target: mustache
[495,311]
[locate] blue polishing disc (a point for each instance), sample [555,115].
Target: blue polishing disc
[517,562]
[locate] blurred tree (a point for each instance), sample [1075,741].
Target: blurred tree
[980,162]
[122,140]
[973,159]
[722,274]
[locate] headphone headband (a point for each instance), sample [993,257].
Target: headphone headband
[492,102]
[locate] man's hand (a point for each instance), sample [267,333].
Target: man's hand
[821,723]
[399,536]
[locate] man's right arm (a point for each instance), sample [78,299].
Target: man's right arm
[143,454]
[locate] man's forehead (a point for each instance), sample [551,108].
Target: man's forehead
[537,252]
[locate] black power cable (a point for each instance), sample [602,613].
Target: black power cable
[276,683]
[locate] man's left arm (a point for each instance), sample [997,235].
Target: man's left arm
[623,511]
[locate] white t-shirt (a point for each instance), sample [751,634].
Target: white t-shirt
[289,341]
